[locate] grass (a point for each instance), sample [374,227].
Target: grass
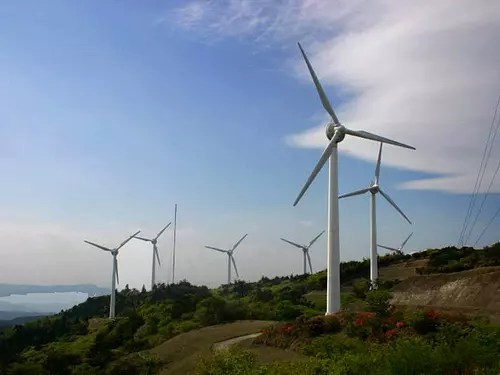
[182,351]
[268,354]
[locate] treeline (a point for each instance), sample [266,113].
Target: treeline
[452,259]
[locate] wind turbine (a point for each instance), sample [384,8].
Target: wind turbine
[230,258]
[305,250]
[374,188]
[336,133]
[156,256]
[399,250]
[114,277]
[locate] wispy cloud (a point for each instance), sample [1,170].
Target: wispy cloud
[306,223]
[425,73]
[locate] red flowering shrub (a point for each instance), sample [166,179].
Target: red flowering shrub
[278,335]
[332,323]
[362,325]
[391,333]
[285,335]
[424,322]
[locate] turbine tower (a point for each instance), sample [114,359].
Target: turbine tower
[374,188]
[230,258]
[305,250]
[398,250]
[156,256]
[336,133]
[114,276]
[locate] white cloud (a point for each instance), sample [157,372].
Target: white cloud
[306,223]
[426,73]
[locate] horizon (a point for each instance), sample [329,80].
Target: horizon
[113,116]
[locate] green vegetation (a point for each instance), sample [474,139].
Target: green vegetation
[383,341]
[151,326]
[451,259]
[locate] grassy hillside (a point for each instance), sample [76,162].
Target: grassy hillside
[151,331]
[181,352]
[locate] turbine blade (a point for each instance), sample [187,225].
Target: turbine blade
[163,230]
[377,169]
[241,239]
[324,100]
[405,241]
[98,246]
[322,160]
[127,240]
[309,261]
[235,268]
[375,137]
[357,192]
[155,249]
[388,248]
[116,270]
[142,238]
[216,248]
[394,205]
[314,240]
[292,243]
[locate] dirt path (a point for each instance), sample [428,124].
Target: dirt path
[227,343]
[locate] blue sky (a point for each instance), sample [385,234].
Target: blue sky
[112,112]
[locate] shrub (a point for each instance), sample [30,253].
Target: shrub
[286,310]
[234,361]
[333,346]
[360,288]
[378,301]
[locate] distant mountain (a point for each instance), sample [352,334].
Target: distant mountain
[9,289]
[9,315]
[19,320]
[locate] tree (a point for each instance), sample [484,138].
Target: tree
[286,310]
[211,310]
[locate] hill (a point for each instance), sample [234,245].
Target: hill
[181,352]
[471,290]
[18,320]
[13,314]
[142,339]
[9,289]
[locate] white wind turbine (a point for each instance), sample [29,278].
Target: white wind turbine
[305,250]
[156,256]
[336,133]
[230,258]
[374,188]
[114,277]
[398,250]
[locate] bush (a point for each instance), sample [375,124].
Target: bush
[234,361]
[286,310]
[378,301]
[360,288]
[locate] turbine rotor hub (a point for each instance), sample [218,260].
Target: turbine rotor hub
[374,189]
[333,128]
[153,242]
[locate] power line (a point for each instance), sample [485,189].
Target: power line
[492,179]
[487,226]
[479,178]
